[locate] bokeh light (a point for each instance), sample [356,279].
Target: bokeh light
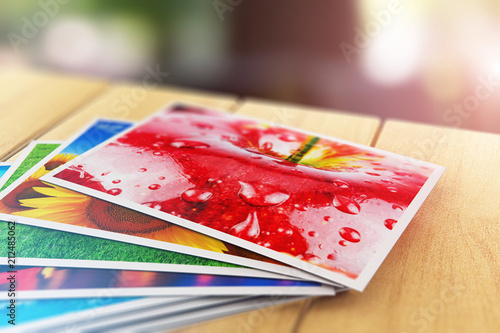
[416,60]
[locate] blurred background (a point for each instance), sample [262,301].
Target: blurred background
[428,61]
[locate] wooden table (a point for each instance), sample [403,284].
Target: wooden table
[443,275]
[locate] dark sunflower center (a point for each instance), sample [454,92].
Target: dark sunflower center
[52,165]
[116,218]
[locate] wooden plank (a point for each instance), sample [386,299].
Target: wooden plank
[443,275]
[355,128]
[352,127]
[31,102]
[134,103]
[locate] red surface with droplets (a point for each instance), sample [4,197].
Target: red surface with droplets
[237,181]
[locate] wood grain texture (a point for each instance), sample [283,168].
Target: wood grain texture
[134,103]
[31,102]
[443,275]
[350,127]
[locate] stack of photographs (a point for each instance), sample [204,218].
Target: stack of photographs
[193,214]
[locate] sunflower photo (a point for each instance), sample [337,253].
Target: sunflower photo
[37,242]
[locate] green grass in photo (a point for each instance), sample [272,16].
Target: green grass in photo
[36,155]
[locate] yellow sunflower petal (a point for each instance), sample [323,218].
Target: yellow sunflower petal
[37,174]
[183,236]
[57,191]
[53,209]
[63,158]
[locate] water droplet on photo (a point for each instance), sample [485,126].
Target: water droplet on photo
[332,256]
[196,195]
[287,137]
[346,205]
[267,146]
[142,170]
[341,184]
[157,153]
[114,191]
[259,195]
[229,137]
[300,207]
[154,187]
[389,223]
[312,258]
[189,144]
[161,178]
[343,243]
[116,181]
[105,173]
[248,228]
[312,233]
[203,126]
[349,234]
